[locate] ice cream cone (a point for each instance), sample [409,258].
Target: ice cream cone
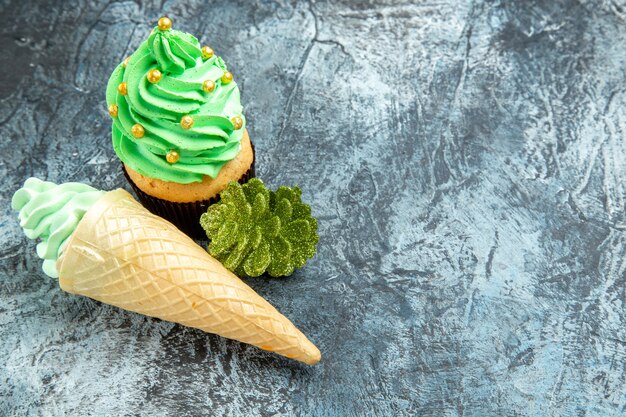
[122,255]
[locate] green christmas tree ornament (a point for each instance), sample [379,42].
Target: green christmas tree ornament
[255,230]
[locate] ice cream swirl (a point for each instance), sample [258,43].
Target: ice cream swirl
[51,212]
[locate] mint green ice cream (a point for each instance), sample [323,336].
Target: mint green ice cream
[51,212]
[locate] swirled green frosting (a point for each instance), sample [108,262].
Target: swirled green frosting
[51,212]
[204,148]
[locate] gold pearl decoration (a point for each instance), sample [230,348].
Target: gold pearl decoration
[172,157]
[125,62]
[122,89]
[186,122]
[227,77]
[154,75]
[164,23]
[138,131]
[237,122]
[208,86]
[207,52]
[113,110]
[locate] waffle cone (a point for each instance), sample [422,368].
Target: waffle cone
[123,255]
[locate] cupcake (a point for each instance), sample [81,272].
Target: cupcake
[178,126]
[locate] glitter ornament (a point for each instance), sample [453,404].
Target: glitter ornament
[254,230]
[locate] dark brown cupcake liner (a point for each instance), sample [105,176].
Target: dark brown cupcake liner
[185,216]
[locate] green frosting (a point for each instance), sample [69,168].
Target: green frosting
[254,230]
[51,212]
[210,143]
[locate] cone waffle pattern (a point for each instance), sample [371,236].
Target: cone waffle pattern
[123,255]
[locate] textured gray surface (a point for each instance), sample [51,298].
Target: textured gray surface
[466,161]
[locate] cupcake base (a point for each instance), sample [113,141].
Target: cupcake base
[185,216]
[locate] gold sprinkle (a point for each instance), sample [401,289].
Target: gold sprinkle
[165,23]
[237,122]
[207,52]
[138,131]
[113,110]
[172,157]
[186,122]
[227,77]
[125,62]
[122,89]
[154,76]
[208,86]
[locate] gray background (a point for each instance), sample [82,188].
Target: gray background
[465,160]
